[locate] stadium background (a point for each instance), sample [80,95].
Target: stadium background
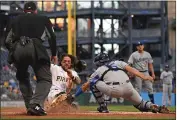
[100,26]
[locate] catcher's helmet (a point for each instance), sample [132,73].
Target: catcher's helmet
[101,59]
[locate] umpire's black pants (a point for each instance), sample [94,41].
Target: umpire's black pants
[25,56]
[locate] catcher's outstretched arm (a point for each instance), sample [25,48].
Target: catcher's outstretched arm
[87,85]
[82,89]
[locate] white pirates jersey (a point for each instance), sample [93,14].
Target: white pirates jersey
[59,78]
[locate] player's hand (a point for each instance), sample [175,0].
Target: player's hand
[149,78]
[54,59]
[130,75]
[69,72]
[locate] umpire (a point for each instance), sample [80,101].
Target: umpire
[24,41]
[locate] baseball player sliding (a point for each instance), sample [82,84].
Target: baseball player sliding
[142,61]
[62,78]
[111,79]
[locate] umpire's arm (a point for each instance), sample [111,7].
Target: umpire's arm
[10,36]
[51,35]
[9,39]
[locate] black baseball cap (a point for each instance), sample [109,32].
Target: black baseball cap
[139,43]
[166,66]
[30,6]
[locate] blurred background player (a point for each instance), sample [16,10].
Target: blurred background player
[142,61]
[111,79]
[167,77]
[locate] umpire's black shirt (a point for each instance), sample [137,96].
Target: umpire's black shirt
[33,26]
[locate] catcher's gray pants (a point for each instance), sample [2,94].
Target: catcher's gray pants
[124,90]
[25,56]
[167,90]
[148,84]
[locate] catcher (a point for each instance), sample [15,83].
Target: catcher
[63,76]
[111,79]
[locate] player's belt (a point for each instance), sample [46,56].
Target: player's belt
[117,83]
[143,70]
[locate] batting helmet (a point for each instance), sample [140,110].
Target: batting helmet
[101,59]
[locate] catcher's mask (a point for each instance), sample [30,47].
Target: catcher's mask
[101,59]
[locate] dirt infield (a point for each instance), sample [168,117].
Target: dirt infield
[17,113]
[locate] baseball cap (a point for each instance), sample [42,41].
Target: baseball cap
[139,43]
[166,66]
[30,6]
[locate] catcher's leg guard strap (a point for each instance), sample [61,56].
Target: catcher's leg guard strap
[98,96]
[144,106]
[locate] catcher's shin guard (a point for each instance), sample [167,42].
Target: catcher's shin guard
[144,106]
[100,99]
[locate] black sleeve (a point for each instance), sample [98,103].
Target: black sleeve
[51,35]
[9,39]
[9,35]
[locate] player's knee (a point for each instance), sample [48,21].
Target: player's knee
[103,87]
[138,90]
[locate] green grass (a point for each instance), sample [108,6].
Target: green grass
[119,108]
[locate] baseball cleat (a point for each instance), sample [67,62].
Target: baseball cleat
[154,108]
[163,109]
[103,109]
[58,100]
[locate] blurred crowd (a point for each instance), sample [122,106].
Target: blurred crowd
[9,85]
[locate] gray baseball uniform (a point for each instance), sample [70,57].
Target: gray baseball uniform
[116,84]
[166,77]
[140,62]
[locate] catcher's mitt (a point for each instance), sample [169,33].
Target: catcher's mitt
[80,65]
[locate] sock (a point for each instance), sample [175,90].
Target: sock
[151,96]
[78,92]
